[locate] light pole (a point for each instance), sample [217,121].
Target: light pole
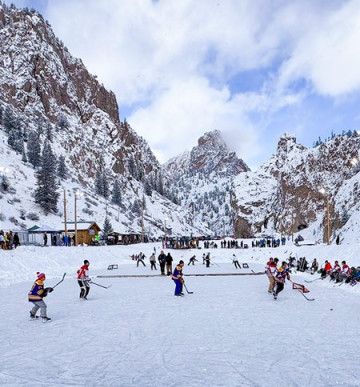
[323,192]
[78,194]
[65,219]
[292,226]
[142,225]
[281,228]
[165,233]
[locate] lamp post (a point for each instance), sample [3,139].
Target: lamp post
[292,227]
[65,219]
[323,192]
[142,225]
[78,194]
[281,228]
[165,233]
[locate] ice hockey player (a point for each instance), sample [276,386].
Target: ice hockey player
[235,261]
[281,274]
[270,270]
[177,277]
[140,258]
[84,280]
[152,260]
[192,260]
[36,295]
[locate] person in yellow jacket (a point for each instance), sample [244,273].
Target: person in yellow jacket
[36,295]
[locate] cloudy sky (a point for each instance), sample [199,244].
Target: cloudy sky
[252,69]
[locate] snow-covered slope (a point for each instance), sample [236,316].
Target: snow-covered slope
[283,195]
[44,89]
[202,181]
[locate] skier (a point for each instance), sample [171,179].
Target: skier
[152,260]
[235,261]
[162,259]
[168,261]
[270,270]
[281,274]
[177,277]
[140,258]
[36,295]
[84,280]
[203,258]
[192,260]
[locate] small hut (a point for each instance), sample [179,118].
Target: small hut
[86,231]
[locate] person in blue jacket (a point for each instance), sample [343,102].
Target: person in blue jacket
[36,295]
[178,279]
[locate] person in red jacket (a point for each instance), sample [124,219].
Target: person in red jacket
[345,272]
[270,270]
[326,269]
[334,273]
[36,295]
[84,280]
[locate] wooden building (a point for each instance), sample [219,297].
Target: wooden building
[86,231]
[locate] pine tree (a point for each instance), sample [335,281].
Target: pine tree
[23,154]
[133,169]
[8,119]
[160,184]
[48,131]
[105,185]
[45,193]
[102,184]
[136,207]
[62,123]
[107,227]
[116,193]
[147,186]
[33,149]
[98,183]
[62,171]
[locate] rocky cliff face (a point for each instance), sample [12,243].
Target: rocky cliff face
[46,89]
[293,179]
[211,155]
[202,181]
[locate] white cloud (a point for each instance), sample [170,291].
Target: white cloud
[171,61]
[188,109]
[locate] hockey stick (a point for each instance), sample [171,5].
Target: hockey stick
[105,287]
[313,280]
[309,299]
[59,281]
[187,289]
